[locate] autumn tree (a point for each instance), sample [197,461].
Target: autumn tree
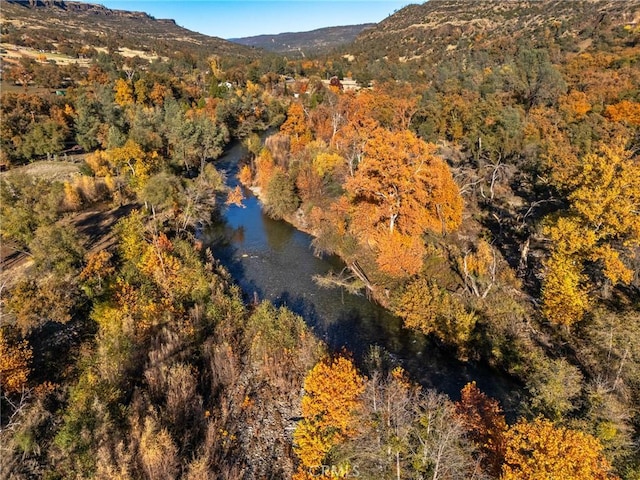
[235,197]
[355,126]
[483,418]
[24,72]
[98,269]
[426,307]
[15,359]
[123,93]
[50,298]
[624,111]
[575,105]
[564,296]
[331,399]
[405,185]
[296,127]
[601,226]
[538,449]
[399,255]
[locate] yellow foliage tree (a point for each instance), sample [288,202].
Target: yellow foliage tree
[132,159]
[98,268]
[429,309]
[160,264]
[537,450]
[142,91]
[607,193]
[72,199]
[602,226]
[124,93]
[564,299]
[325,163]
[129,161]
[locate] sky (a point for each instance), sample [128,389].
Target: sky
[245,18]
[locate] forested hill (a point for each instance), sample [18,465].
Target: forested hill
[439,28]
[44,25]
[306,43]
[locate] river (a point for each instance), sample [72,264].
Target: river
[273,260]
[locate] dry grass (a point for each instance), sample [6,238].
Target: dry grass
[14,53]
[49,170]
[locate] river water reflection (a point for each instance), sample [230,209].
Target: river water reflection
[272,260]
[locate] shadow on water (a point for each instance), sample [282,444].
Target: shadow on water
[273,260]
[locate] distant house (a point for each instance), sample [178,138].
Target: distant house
[346,84]
[350,84]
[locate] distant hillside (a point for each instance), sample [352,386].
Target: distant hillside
[304,43]
[441,28]
[51,24]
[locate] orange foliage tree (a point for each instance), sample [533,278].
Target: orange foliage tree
[575,105]
[235,197]
[485,422]
[329,407]
[538,449]
[265,169]
[296,127]
[14,362]
[400,255]
[624,111]
[408,187]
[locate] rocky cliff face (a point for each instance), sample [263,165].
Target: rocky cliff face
[78,7]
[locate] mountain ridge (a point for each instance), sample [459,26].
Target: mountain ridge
[311,41]
[46,22]
[438,27]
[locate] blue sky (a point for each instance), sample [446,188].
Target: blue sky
[243,18]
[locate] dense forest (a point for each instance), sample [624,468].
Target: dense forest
[482,184]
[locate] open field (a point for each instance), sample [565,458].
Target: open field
[51,170]
[13,53]
[8,86]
